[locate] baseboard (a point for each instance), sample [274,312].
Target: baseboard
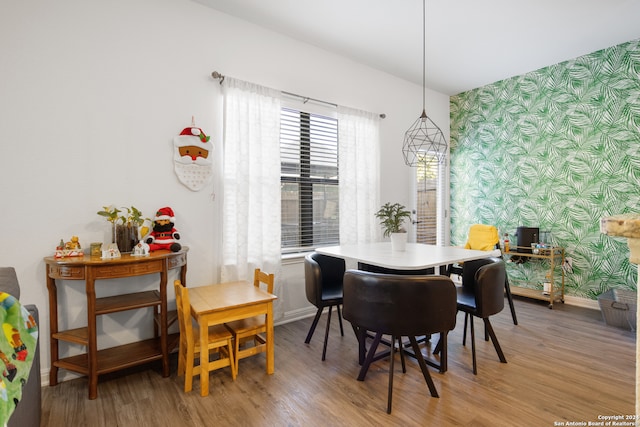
[293,315]
[63,375]
[582,302]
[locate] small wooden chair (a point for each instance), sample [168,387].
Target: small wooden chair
[220,341]
[252,328]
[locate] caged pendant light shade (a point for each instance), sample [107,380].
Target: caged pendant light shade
[424,138]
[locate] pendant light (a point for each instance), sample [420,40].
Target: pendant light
[424,138]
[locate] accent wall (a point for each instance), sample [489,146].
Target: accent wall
[557,148]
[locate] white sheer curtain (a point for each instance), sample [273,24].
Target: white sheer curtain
[359,171]
[251,182]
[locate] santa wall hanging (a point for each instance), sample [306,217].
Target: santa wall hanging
[192,158]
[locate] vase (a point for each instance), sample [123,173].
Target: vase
[125,236]
[399,242]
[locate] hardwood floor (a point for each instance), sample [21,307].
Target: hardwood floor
[564,365]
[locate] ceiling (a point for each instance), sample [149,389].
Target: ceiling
[469,43]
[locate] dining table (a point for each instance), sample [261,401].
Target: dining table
[417,258]
[225,302]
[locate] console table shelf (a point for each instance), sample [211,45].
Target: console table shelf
[96,362]
[120,357]
[127,302]
[115,358]
[555,257]
[78,336]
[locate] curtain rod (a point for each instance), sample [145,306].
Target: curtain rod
[304,99]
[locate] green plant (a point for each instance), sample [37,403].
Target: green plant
[133,216]
[392,217]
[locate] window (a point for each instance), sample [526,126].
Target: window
[431,213]
[308,180]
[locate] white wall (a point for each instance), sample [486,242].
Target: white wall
[91,95]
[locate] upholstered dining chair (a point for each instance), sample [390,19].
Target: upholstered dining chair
[253,328]
[484,237]
[482,295]
[219,341]
[323,277]
[399,306]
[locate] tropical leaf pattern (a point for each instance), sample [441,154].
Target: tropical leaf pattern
[558,149]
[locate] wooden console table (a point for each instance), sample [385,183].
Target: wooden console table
[94,362]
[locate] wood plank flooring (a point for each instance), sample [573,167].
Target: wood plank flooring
[564,365]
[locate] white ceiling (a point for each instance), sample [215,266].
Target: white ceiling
[469,43]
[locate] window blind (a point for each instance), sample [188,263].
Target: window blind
[427,177]
[309,180]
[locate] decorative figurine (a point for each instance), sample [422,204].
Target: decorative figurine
[73,244]
[141,249]
[110,251]
[164,235]
[70,249]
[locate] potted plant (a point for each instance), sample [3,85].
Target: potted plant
[392,217]
[125,225]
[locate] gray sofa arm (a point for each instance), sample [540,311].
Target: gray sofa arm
[28,412]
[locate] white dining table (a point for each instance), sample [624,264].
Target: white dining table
[416,256]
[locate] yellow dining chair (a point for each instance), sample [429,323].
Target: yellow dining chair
[481,237]
[253,328]
[484,237]
[220,341]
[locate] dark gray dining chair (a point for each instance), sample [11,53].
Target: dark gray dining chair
[323,286]
[485,238]
[399,306]
[482,295]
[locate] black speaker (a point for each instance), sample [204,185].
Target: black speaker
[527,236]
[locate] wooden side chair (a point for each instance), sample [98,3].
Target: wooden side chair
[253,328]
[220,341]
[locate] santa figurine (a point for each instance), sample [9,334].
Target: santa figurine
[164,235]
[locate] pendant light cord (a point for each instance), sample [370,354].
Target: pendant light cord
[424,53]
[424,140]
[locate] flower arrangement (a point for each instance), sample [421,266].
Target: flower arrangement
[125,223]
[132,216]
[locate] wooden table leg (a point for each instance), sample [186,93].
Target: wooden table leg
[204,356]
[92,351]
[164,330]
[53,327]
[270,340]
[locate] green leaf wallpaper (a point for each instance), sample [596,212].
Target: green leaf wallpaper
[558,149]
